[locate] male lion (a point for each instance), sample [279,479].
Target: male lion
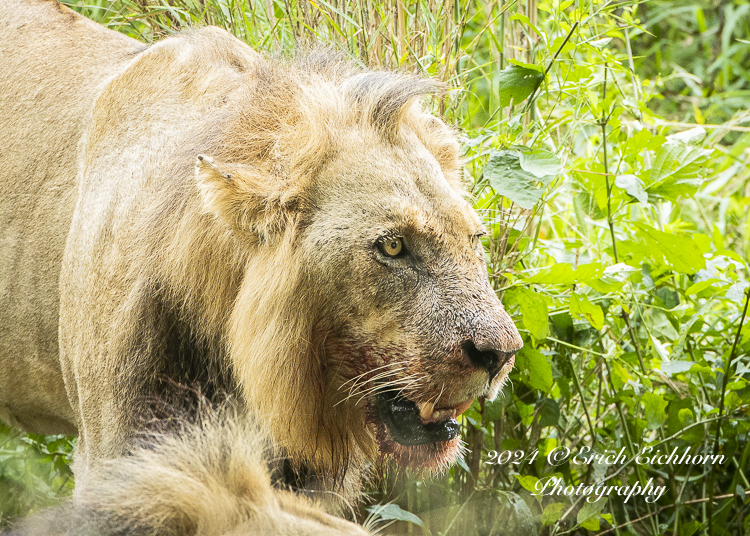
[189,213]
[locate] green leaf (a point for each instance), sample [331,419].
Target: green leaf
[528,483]
[677,170]
[675,367]
[516,83]
[681,252]
[690,527]
[462,464]
[701,286]
[692,136]
[633,186]
[736,292]
[510,180]
[591,524]
[494,410]
[549,413]
[394,511]
[620,375]
[535,368]
[563,274]
[552,512]
[581,307]
[534,312]
[589,510]
[532,66]
[655,406]
[544,165]
[674,408]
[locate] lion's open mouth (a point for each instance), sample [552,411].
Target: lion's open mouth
[410,425]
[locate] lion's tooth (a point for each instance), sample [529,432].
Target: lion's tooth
[426,409]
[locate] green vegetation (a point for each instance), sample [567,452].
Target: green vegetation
[607,145]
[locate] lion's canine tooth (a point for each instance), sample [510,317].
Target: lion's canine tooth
[426,410]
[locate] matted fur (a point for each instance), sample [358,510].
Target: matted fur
[191,212]
[206,476]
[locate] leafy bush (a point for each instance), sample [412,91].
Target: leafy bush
[607,151]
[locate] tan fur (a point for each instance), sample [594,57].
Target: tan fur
[193,213]
[203,478]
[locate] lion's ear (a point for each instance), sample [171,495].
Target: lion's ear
[441,141]
[241,196]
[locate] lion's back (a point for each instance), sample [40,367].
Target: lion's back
[86,117]
[51,64]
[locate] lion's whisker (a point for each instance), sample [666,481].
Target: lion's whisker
[355,378]
[387,385]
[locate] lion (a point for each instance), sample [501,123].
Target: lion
[292,232]
[205,475]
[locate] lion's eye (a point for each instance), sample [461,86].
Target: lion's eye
[392,247]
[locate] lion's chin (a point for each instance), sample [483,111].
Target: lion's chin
[432,458]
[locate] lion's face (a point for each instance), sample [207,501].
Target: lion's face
[413,330]
[365,322]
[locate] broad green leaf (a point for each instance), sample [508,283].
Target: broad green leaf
[549,412]
[681,252]
[534,366]
[691,527]
[633,186]
[544,165]
[655,406]
[462,464]
[534,312]
[516,83]
[685,328]
[563,274]
[691,136]
[677,170]
[600,43]
[673,367]
[529,483]
[394,511]
[557,274]
[674,408]
[532,66]
[589,510]
[605,285]
[620,375]
[510,180]
[581,307]
[701,285]
[736,292]
[591,523]
[552,512]
[494,410]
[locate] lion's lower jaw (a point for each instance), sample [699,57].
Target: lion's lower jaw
[428,460]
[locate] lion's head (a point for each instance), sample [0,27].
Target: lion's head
[365,322]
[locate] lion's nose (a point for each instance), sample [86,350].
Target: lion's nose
[489,359]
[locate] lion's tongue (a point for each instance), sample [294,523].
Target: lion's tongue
[463,406]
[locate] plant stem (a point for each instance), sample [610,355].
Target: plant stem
[724,383]
[603,124]
[549,66]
